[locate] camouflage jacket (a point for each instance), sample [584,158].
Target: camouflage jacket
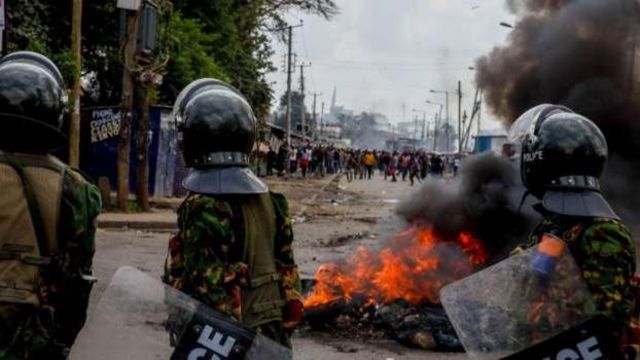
[205,256]
[604,251]
[49,332]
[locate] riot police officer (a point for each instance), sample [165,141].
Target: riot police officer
[47,213]
[563,156]
[233,249]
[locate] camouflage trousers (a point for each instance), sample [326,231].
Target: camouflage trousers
[25,333]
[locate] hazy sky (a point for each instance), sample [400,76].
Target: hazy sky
[382,55]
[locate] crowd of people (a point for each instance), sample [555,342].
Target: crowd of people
[320,159]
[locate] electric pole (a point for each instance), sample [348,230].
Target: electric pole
[124,142]
[459,116]
[76,50]
[424,128]
[322,119]
[302,114]
[289,71]
[479,112]
[314,126]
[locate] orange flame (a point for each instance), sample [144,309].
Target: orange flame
[413,267]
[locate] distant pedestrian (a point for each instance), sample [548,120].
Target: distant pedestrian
[393,167]
[293,160]
[271,161]
[305,160]
[414,169]
[369,161]
[404,165]
[281,160]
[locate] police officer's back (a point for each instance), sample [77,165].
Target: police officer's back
[233,249]
[47,214]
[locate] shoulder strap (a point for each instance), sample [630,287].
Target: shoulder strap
[34,210]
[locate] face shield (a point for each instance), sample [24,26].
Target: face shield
[527,123]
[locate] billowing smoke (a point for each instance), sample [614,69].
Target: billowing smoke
[484,202]
[578,53]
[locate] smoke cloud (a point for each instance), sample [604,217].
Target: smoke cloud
[484,202]
[581,54]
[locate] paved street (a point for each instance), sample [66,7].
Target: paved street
[329,225]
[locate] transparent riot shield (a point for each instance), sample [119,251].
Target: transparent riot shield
[518,303]
[139,317]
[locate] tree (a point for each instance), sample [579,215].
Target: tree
[191,57]
[44,26]
[243,49]
[297,106]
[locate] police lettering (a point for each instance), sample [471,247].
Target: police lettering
[534,156]
[213,341]
[586,350]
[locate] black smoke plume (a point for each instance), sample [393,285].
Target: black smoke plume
[578,53]
[483,201]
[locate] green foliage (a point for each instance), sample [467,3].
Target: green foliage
[190,56]
[66,63]
[297,106]
[219,38]
[243,49]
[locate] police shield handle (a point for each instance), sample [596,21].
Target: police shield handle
[138,317]
[548,251]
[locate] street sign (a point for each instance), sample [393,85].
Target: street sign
[127,4]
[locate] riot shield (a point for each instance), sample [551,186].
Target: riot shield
[139,317]
[520,302]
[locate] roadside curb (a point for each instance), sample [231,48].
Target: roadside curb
[159,226]
[170,225]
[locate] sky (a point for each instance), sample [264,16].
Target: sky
[386,55]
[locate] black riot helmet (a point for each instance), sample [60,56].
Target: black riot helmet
[32,103]
[217,129]
[563,155]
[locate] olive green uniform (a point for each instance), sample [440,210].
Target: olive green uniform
[233,253]
[45,275]
[604,250]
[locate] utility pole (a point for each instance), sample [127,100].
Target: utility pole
[76,50]
[446,120]
[479,112]
[302,114]
[459,116]
[314,134]
[128,83]
[289,71]
[436,130]
[424,128]
[322,119]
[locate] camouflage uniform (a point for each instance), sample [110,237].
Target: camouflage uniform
[65,284]
[205,258]
[604,251]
